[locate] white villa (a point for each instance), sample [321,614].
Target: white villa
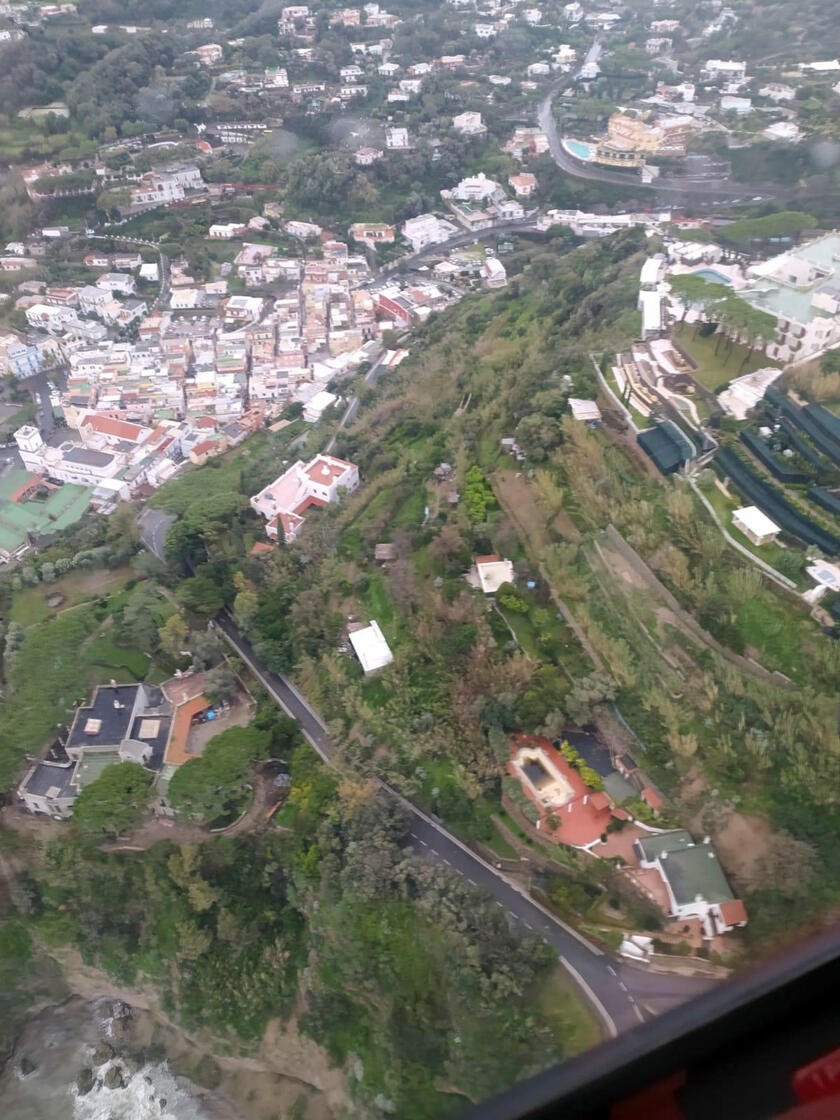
[283,502]
[801,288]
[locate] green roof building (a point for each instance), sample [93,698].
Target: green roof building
[694,880]
[31,507]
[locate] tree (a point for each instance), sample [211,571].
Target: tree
[173,635]
[201,594]
[220,684]
[114,803]
[204,788]
[245,606]
[538,435]
[478,497]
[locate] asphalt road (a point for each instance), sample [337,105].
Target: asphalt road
[465,237]
[371,377]
[668,190]
[622,995]
[153,525]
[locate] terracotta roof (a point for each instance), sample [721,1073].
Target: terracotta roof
[261,548]
[176,750]
[308,502]
[734,912]
[652,797]
[325,469]
[108,427]
[584,818]
[491,558]
[205,447]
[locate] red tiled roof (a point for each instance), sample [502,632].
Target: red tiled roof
[307,502]
[205,447]
[491,558]
[260,548]
[584,818]
[733,912]
[108,427]
[326,470]
[652,797]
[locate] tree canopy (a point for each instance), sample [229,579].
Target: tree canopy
[205,788]
[114,803]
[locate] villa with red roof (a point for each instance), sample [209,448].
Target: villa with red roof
[317,483]
[578,815]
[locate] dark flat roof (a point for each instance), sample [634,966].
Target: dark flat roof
[88,457]
[114,721]
[45,778]
[138,704]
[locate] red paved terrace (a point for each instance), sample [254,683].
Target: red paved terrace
[584,813]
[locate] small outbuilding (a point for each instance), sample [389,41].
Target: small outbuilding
[489,573]
[370,647]
[755,525]
[587,412]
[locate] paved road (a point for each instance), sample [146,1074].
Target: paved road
[622,995]
[668,189]
[371,377]
[463,237]
[153,525]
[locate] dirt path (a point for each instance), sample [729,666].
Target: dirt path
[162,828]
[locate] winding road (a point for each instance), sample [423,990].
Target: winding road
[622,995]
[665,189]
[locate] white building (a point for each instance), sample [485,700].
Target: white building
[745,392]
[283,502]
[730,103]
[71,462]
[755,525]
[371,648]
[587,412]
[226,231]
[475,188]
[121,282]
[493,273]
[693,879]
[305,230]
[315,408]
[396,139]
[725,68]
[469,124]
[777,92]
[786,131]
[425,229]
[488,573]
[366,156]
[801,289]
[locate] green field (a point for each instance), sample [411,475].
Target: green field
[61,659]
[714,370]
[30,605]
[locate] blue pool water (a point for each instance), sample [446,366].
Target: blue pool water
[578,148]
[712,276]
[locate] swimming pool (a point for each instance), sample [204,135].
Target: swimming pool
[712,276]
[578,148]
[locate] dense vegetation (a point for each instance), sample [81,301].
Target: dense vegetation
[400,968]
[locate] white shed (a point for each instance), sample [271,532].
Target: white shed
[370,647]
[755,525]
